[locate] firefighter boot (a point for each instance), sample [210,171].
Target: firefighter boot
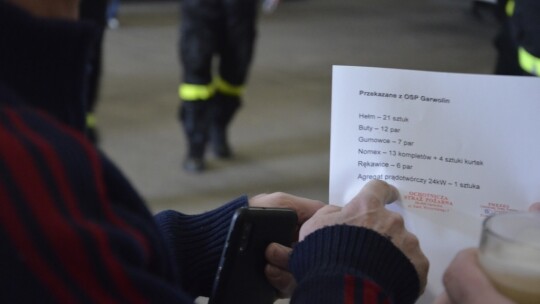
[194,118]
[222,110]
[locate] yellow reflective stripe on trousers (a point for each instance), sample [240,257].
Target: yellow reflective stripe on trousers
[192,92]
[90,120]
[510,5]
[228,89]
[529,62]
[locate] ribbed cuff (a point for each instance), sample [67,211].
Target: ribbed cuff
[348,250]
[197,242]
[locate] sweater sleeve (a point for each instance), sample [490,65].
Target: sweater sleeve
[197,242]
[346,264]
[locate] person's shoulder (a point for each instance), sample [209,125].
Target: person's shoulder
[8,97]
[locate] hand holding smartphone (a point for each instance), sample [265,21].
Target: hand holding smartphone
[240,278]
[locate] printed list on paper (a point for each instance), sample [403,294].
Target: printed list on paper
[459,147]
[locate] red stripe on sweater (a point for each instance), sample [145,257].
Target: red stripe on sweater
[372,292]
[29,253]
[9,218]
[57,230]
[88,282]
[123,283]
[349,287]
[101,188]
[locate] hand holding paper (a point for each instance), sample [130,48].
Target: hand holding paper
[367,209]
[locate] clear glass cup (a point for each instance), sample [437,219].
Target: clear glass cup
[510,254]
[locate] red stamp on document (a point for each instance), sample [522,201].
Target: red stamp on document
[428,201]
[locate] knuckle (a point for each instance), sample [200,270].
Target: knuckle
[415,240]
[426,264]
[412,240]
[396,219]
[280,197]
[326,209]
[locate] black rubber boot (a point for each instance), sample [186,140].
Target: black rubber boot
[222,110]
[194,118]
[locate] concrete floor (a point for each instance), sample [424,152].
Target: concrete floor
[281,135]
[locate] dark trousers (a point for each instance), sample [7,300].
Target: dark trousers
[507,52]
[520,29]
[226,28]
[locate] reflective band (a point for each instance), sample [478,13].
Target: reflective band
[193,92]
[529,62]
[227,88]
[90,120]
[510,5]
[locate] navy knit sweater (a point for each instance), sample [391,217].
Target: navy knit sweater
[73,229]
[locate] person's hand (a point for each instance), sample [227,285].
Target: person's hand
[278,255]
[535,207]
[368,210]
[64,9]
[466,283]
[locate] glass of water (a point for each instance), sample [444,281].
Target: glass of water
[510,254]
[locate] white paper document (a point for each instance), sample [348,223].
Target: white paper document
[457,146]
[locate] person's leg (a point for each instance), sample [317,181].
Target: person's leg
[236,53]
[238,42]
[197,46]
[507,55]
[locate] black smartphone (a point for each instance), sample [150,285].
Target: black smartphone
[240,278]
